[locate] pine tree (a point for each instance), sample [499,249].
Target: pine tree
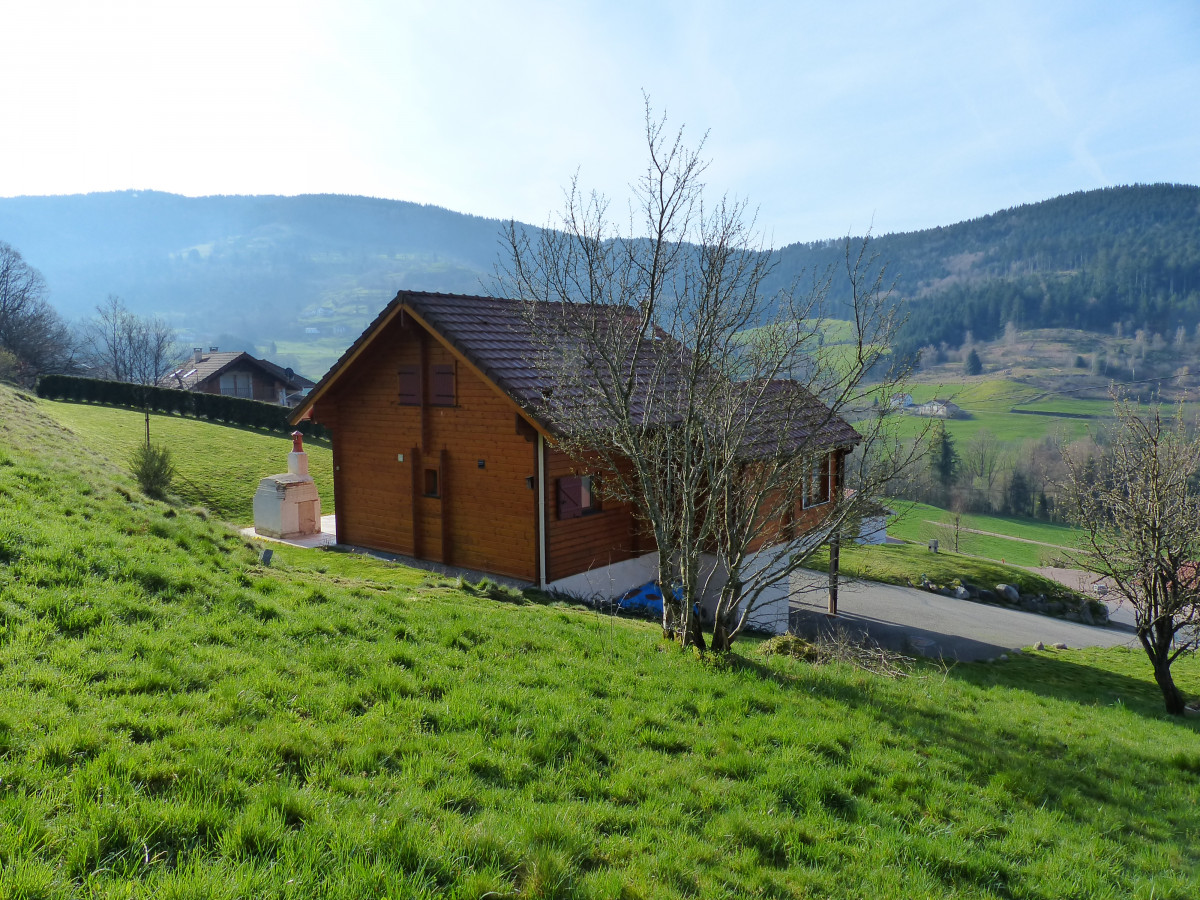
[973,365]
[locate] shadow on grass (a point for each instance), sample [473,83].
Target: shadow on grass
[1056,675]
[1026,758]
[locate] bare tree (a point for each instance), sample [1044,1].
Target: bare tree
[30,329]
[710,404]
[982,461]
[1138,504]
[123,346]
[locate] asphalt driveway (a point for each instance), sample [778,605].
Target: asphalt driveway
[915,621]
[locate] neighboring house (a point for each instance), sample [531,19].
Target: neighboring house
[239,375]
[439,453]
[939,409]
[900,401]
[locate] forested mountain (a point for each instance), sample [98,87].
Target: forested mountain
[246,270]
[314,269]
[1127,256]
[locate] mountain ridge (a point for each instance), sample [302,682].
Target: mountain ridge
[314,268]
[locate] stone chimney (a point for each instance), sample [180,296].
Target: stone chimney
[197,355]
[297,459]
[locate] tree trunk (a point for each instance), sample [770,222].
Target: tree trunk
[1171,694]
[720,639]
[1157,641]
[694,637]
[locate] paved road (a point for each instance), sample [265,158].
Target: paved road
[911,620]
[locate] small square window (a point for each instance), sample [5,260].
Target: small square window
[431,482]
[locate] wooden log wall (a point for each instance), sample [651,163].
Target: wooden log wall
[586,542]
[483,517]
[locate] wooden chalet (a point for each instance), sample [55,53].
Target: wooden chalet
[439,452]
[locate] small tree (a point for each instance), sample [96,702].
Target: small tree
[1139,506]
[944,462]
[973,364]
[153,468]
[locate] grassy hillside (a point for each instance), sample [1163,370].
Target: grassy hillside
[219,465]
[1021,542]
[178,721]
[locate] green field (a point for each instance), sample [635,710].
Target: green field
[908,564]
[920,522]
[990,404]
[178,721]
[219,465]
[314,357]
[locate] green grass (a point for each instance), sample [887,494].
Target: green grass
[990,403]
[219,466]
[920,522]
[316,356]
[178,721]
[906,563]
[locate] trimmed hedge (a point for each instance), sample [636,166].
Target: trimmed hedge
[214,407]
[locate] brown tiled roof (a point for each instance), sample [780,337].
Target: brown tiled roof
[807,423]
[491,333]
[191,373]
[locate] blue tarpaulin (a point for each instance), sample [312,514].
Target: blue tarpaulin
[647,598]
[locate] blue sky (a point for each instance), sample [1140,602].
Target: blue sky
[828,117]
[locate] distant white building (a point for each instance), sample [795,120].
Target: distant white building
[938,409]
[900,401]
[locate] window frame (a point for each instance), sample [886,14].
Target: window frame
[818,486]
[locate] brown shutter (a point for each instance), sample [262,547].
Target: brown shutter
[569,506]
[410,385]
[443,386]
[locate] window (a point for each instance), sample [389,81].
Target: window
[410,385]
[816,483]
[237,384]
[442,383]
[577,497]
[431,483]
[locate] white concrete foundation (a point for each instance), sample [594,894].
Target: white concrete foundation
[770,613]
[610,581]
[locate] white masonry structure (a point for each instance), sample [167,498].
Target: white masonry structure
[287,506]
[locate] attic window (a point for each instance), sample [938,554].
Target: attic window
[576,497]
[443,385]
[431,483]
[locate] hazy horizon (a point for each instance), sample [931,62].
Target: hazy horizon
[827,120]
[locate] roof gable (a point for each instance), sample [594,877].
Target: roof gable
[491,336]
